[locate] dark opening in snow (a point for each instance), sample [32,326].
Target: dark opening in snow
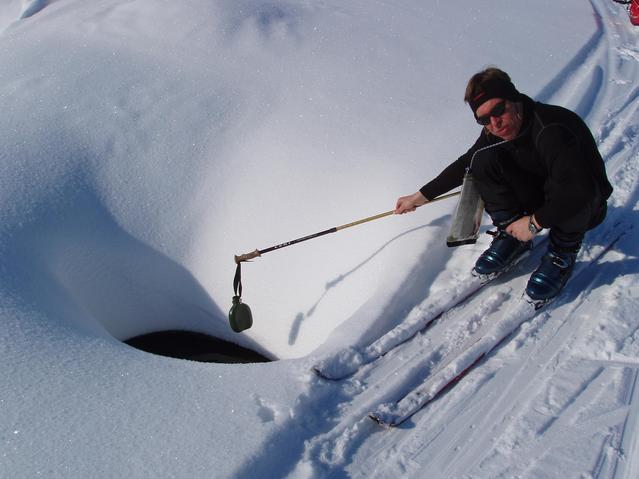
[195,347]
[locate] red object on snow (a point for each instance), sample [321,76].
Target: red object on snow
[634,12]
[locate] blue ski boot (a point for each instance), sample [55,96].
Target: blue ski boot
[553,272]
[502,253]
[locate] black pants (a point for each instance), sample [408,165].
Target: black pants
[510,193]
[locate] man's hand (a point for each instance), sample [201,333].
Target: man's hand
[519,229]
[409,203]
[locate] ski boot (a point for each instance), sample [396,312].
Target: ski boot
[503,252]
[553,272]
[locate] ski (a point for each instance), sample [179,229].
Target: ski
[449,371]
[346,362]
[489,338]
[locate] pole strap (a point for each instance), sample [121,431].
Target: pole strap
[237,280]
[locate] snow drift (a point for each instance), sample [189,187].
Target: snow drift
[145,143]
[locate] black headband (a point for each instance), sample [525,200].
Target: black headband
[493,88]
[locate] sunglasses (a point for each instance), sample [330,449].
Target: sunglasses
[498,110]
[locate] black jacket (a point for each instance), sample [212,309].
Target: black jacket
[556,147]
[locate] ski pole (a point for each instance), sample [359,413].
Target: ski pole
[335,229]
[240,316]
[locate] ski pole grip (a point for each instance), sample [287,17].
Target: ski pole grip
[248,256]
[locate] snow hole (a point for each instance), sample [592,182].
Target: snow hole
[195,347]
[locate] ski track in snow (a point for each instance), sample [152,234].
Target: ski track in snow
[514,385]
[520,382]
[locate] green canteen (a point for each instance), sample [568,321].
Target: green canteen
[240,317]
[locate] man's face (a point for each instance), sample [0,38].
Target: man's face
[505,126]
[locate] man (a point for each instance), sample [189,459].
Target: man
[536,166]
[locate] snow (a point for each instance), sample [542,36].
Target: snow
[147,142]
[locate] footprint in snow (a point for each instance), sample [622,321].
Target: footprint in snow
[265,412]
